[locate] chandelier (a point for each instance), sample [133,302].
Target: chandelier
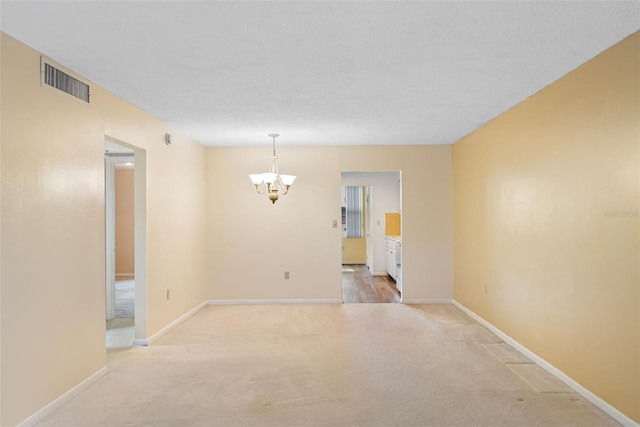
[272,182]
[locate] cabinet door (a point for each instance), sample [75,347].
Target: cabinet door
[391,263]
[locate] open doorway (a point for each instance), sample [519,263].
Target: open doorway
[370,201]
[122,214]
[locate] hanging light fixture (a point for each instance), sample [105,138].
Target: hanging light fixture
[272,182]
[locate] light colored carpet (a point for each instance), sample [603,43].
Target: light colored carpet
[326,365]
[120,337]
[124,305]
[125,298]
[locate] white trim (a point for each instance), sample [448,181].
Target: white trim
[119,275]
[110,237]
[64,398]
[170,326]
[354,263]
[272,301]
[427,301]
[597,401]
[140,241]
[379,273]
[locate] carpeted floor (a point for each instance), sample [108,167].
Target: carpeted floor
[327,365]
[124,305]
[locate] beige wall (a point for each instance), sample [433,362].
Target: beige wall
[354,250]
[546,217]
[124,223]
[253,242]
[52,261]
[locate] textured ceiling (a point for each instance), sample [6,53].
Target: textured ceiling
[229,73]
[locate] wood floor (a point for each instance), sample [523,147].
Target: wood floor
[358,285]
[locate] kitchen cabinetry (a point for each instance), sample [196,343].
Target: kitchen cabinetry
[391,258]
[394,259]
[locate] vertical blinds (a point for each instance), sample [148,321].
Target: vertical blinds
[354,211]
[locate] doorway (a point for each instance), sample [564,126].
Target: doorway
[125,304]
[368,199]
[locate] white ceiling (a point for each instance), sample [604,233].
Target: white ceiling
[229,73]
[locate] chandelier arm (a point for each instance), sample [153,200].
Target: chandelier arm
[273,168]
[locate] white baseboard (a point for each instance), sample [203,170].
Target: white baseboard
[427,301]
[272,301]
[123,275]
[140,342]
[600,403]
[64,398]
[170,326]
[379,273]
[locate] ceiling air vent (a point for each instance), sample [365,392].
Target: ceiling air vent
[58,79]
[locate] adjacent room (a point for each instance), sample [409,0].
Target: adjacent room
[119,244]
[371,208]
[319,213]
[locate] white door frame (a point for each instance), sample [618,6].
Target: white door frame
[140,244]
[372,203]
[110,236]
[140,236]
[368,229]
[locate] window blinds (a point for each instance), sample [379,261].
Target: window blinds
[354,211]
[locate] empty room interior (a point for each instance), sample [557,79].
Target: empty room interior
[495,144]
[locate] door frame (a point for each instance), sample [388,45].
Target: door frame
[375,231]
[140,235]
[111,160]
[110,234]
[367,232]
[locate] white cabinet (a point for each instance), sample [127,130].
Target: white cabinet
[394,260]
[399,267]
[391,258]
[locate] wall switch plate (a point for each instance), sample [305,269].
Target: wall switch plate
[168,293]
[286,275]
[334,223]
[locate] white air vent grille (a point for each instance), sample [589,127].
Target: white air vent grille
[60,80]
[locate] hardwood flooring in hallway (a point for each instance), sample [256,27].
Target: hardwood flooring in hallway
[359,285]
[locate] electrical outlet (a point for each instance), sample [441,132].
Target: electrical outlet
[286,275]
[168,293]
[334,223]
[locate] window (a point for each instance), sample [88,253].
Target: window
[352,212]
